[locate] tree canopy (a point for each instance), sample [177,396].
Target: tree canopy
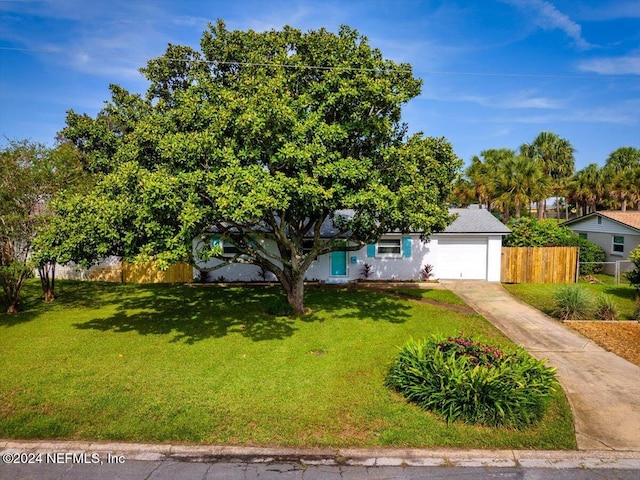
[30,175]
[261,137]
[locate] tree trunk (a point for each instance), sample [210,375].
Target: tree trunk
[295,292]
[48,295]
[13,308]
[623,206]
[47,274]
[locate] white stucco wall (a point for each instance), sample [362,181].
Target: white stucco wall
[383,267]
[494,258]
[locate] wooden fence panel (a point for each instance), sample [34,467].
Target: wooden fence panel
[539,264]
[105,274]
[147,273]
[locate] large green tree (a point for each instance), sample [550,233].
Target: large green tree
[262,137]
[30,174]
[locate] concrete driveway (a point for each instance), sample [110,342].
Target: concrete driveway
[603,389]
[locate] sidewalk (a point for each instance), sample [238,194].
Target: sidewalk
[602,388]
[369,457]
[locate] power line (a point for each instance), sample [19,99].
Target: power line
[344,68]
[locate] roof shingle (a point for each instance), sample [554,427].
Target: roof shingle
[475,220]
[629,218]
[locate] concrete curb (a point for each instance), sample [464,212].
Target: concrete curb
[368,457]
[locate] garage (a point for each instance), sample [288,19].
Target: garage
[462,257]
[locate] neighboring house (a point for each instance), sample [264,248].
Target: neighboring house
[616,232]
[107,270]
[469,248]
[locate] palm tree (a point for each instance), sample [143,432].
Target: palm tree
[621,170]
[587,188]
[556,158]
[480,180]
[518,181]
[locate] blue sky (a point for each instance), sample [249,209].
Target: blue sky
[496,72]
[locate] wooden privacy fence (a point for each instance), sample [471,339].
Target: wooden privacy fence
[147,273]
[539,264]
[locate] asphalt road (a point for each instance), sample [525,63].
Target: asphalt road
[173,470]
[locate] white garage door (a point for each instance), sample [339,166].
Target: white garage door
[462,258]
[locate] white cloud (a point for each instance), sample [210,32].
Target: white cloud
[546,16]
[523,99]
[610,10]
[625,65]
[624,113]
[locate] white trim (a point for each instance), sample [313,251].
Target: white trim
[614,243]
[389,254]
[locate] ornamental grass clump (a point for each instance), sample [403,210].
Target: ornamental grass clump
[606,308]
[463,379]
[571,303]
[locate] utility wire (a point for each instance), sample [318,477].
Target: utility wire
[328,68]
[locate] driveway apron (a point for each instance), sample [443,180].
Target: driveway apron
[602,388]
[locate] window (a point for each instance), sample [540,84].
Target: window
[618,244]
[582,235]
[599,220]
[307,245]
[229,249]
[389,246]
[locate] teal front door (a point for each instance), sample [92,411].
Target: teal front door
[338,263]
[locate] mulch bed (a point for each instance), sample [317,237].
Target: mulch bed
[621,338]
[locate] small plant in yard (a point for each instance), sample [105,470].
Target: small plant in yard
[366,272]
[462,379]
[571,303]
[426,273]
[606,308]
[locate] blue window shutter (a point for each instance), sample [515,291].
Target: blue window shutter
[406,247]
[371,250]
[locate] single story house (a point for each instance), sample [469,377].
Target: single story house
[469,248]
[616,232]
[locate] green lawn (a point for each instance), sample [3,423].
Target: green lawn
[541,295]
[174,363]
[434,294]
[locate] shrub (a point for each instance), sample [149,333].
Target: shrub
[462,379]
[366,271]
[590,252]
[634,275]
[426,273]
[606,308]
[571,303]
